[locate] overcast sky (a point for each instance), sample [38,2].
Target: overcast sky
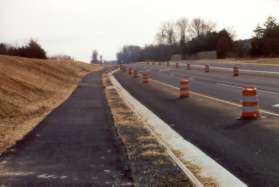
[76,27]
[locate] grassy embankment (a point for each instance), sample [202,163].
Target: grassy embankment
[30,89]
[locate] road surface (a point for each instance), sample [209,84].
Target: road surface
[220,84]
[249,149]
[73,146]
[243,66]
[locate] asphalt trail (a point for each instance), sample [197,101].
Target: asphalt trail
[73,146]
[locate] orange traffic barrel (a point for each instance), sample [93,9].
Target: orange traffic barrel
[145,78]
[235,71]
[184,88]
[123,68]
[135,74]
[130,72]
[206,68]
[250,107]
[188,66]
[177,65]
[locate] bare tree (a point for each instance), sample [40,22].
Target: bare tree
[182,26]
[160,37]
[200,27]
[94,58]
[170,32]
[101,59]
[166,34]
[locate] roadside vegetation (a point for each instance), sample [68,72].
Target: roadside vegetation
[31,50]
[189,39]
[149,162]
[30,89]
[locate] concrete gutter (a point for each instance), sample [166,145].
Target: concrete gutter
[174,142]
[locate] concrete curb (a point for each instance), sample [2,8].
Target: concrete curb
[173,141]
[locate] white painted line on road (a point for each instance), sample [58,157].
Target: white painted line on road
[234,86]
[173,141]
[270,92]
[228,85]
[213,98]
[230,69]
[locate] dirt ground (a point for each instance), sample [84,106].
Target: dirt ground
[149,162]
[30,89]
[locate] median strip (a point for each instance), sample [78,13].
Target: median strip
[150,163]
[198,166]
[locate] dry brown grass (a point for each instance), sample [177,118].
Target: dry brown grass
[152,153]
[30,89]
[149,162]
[206,181]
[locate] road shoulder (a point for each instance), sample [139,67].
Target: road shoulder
[149,161]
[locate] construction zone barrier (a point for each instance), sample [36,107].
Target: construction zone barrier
[135,74]
[145,78]
[235,71]
[188,66]
[206,68]
[177,65]
[130,71]
[250,107]
[168,64]
[184,88]
[124,69]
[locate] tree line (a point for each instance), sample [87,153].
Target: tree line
[96,58]
[31,50]
[266,40]
[188,38]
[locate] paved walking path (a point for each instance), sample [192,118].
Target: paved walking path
[73,146]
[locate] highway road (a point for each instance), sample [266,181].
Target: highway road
[221,84]
[248,149]
[243,66]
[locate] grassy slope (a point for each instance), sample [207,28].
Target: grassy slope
[30,89]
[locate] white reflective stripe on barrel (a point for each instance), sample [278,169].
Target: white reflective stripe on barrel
[249,99]
[249,109]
